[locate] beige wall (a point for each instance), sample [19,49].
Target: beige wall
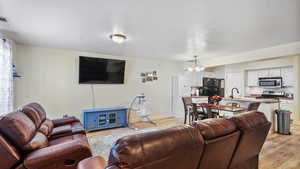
[297,89]
[51,78]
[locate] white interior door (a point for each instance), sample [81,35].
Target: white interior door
[174,94]
[181,86]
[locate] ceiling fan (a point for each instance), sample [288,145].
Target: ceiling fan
[195,67]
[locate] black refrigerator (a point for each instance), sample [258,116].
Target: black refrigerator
[214,86]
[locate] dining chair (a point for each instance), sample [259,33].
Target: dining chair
[253,106]
[206,112]
[187,104]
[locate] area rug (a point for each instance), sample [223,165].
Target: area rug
[101,145]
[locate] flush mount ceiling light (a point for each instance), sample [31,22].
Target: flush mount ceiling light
[4,24]
[195,67]
[3,19]
[118,38]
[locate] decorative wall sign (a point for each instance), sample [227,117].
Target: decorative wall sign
[149,76]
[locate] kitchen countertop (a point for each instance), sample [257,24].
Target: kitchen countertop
[216,108]
[282,98]
[266,101]
[199,96]
[230,108]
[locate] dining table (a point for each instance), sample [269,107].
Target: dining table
[224,110]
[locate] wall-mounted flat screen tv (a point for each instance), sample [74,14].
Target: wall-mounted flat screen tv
[101,71]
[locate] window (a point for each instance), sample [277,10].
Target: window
[6,79]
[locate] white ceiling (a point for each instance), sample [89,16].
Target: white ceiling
[165,29]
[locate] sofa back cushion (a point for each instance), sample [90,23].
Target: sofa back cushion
[32,114]
[41,111]
[220,139]
[176,148]
[21,131]
[18,128]
[8,154]
[254,128]
[38,116]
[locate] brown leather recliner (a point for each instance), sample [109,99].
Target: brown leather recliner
[219,134]
[233,143]
[53,128]
[254,129]
[24,145]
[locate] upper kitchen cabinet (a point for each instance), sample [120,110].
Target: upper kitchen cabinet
[209,74]
[285,73]
[263,73]
[252,79]
[288,78]
[276,72]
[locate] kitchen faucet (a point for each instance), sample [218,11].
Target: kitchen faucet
[237,90]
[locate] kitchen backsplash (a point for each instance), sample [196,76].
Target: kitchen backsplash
[259,90]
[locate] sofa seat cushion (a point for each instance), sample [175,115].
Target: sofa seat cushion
[37,142]
[64,139]
[67,130]
[61,156]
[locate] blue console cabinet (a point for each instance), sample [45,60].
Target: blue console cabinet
[97,119]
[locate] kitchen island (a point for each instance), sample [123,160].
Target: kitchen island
[267,106]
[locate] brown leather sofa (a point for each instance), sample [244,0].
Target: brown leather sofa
[29,140]
[233,143]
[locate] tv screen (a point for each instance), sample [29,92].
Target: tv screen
[101,71]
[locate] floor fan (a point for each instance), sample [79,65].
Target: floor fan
[139,106]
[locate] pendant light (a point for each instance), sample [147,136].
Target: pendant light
[195,67]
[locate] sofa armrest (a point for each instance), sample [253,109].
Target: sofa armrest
[96,162]
[64,121]
[65,154]
[65,129]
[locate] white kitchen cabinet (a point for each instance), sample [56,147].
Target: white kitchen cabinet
[263,73]
[252,79]
[287,105]
[275,72]
[209,74]
[234,80]
[288,78]
[269,110]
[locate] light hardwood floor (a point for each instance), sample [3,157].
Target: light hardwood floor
[282,151]
[279,151]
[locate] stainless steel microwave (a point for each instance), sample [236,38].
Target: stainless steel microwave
[270,81]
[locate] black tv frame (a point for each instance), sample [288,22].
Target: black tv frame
[100,82]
